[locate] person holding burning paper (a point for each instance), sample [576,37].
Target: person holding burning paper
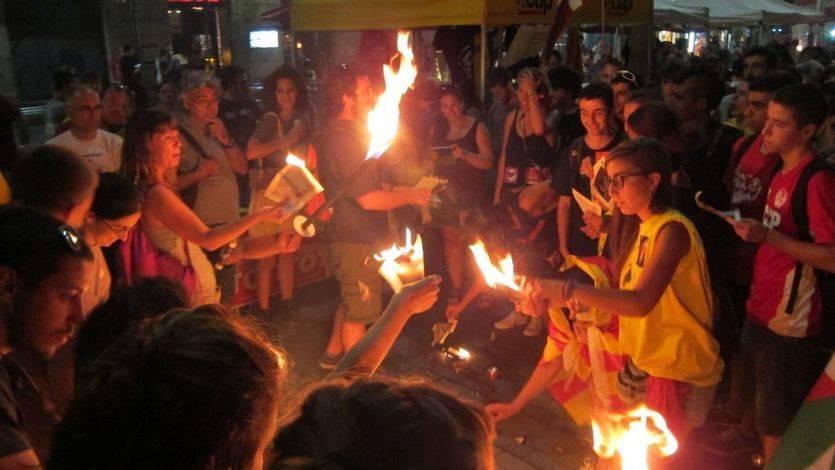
[359,226]
[663,300]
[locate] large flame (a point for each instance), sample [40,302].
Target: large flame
[630,436]
[384,118]
[494,276]
[402,264]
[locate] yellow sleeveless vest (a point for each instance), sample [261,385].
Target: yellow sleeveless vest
[674,340]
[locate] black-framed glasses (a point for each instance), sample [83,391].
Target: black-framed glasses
[617,182]
[71,236]
[119,231]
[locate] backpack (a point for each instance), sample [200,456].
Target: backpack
[825,279]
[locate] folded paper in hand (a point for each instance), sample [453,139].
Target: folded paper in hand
[429,182]
[586,204]
[733,214]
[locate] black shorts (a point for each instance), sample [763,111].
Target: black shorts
[785,369]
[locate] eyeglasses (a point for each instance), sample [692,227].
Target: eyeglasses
[119,231]
[628,76]
[617,182]
[71,236]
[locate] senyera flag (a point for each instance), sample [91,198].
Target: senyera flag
[809,441]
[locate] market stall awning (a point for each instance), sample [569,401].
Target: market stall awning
[751,12]
[670,12]
[333,15]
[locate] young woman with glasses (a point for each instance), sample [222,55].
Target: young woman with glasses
[663,300]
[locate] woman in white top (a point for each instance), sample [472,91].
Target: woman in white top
[151,153]
[116,209]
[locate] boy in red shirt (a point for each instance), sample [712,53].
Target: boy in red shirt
[784,306]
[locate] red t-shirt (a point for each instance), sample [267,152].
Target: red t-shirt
[777,301]
[748,192]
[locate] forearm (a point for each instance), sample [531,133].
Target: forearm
[476,287]
[815,255]
[627,303]
[563,215]
[257,149]
[218,236]
[497,193]
[541,378]
[482,162]
[382,200]
[367,355]
[237,159]
[536,116]
[187,180]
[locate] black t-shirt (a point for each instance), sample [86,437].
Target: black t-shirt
[568,129]
[13,437]
[240,118]
[567,177]
[528,160]
[341,150]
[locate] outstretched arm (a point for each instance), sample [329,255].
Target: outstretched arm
[367,355]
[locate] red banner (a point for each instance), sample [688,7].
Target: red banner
[311,262]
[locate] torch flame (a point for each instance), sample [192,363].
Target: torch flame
[493,276]
[384,118]
[294,160]
[404,264]
[629,436]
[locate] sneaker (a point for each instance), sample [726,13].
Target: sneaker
[513,319]
[328,362]
[730,441]
[534,327]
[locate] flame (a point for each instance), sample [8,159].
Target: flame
[384,118]
[401,265]
[459,353]
[493,276]
[294,160]
[630,437]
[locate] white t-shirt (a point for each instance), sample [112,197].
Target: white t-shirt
[98,288]
[104,152]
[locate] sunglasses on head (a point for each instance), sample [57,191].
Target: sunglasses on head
[71,237]
[628,76]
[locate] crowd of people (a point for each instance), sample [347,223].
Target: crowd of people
[127,224]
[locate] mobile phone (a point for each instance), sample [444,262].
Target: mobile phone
[443,151]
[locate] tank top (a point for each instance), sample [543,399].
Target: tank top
[674,340]
[528,160]
[468,181]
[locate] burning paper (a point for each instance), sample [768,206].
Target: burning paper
[385,117]
[442,330]
[402,264]
[494,276]
[460,354]
[631,435]
[294,184]
[733,214]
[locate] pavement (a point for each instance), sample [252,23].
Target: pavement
[542,436]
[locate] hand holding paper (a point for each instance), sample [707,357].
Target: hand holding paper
[728,216]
